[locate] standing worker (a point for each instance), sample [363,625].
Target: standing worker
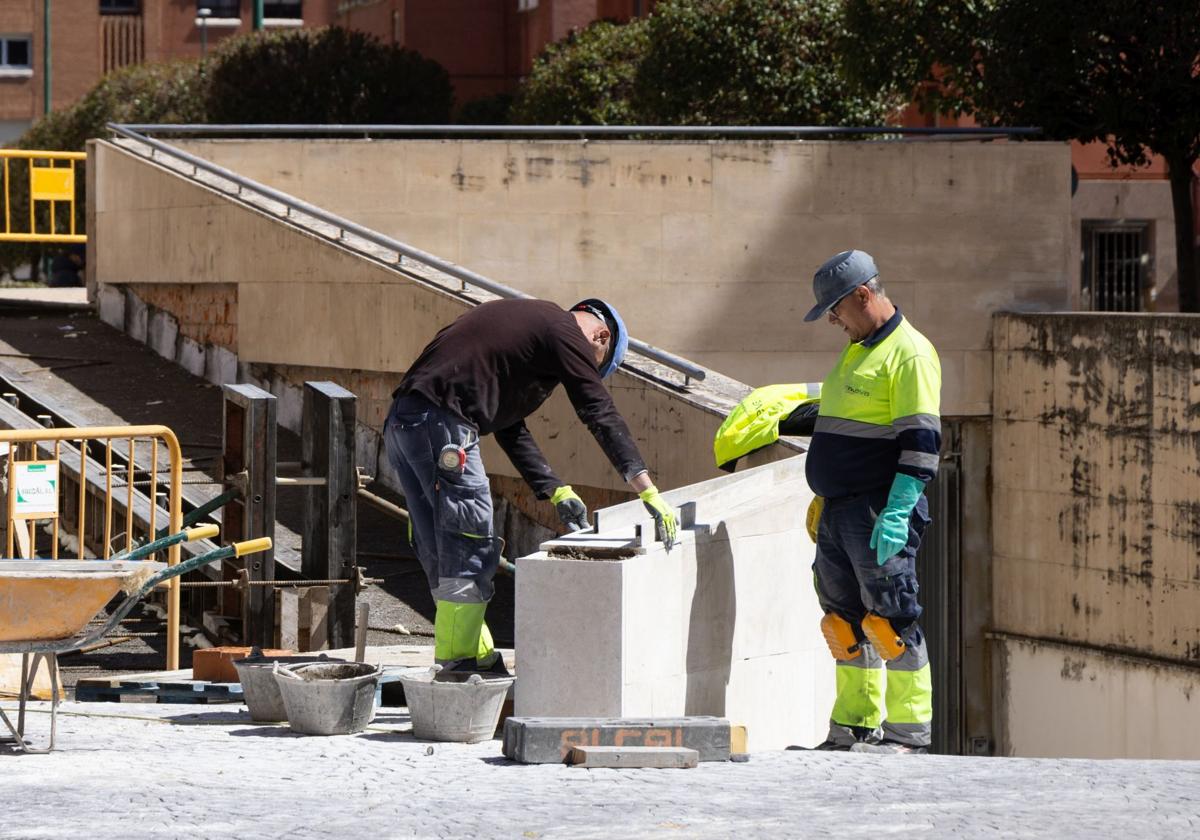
[484,374]
[874,448]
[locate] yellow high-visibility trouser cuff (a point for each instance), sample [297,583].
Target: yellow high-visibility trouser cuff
[859,696]
[459,632]
[910,695]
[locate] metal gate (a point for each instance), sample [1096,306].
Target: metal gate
[939,571]
[1116,265]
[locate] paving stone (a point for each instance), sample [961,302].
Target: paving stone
[642,757]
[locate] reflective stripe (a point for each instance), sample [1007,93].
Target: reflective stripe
[859,696]
[920,460]
[459,591]
[854,428]
[813,388]
[918,421]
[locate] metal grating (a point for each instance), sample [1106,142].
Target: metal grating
[1116,263]
[939,571]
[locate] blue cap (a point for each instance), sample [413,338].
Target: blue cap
[619,342]
[839,276]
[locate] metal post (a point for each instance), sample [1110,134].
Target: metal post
[330,536]
[46,56]
[258,15]
[249,452]
[204,14]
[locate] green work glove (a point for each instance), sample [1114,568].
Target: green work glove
[891,526]
[664,516]
[571,509]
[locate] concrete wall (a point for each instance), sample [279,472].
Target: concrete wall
[725,624]
[709,248]
[1066,701]
[1130,200]
[307,305]
[1096,522]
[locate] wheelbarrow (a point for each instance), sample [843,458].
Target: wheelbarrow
[45,607]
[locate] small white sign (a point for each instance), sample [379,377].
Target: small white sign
[35,489]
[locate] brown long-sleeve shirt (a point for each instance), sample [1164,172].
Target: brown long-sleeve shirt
[498,363]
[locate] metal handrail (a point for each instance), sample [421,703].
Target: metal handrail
[589,130]
[465,276]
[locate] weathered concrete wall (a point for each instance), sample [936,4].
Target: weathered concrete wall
[1096,493]
[305,304]
[709,248]
[1130,200]
[1066,701]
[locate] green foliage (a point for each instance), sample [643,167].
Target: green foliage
[144,93]
[703,62]
[585,79]
[486,110]
[751,62]
[324,76]
[1124,73]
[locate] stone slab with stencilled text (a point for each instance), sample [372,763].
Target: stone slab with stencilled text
[549,740]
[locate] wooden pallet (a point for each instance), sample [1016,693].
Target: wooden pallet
[178,687]
[161,687]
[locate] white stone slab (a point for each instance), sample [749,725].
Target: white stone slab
[724,624]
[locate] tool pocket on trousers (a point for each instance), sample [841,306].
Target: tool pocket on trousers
[895,597]
[464,524]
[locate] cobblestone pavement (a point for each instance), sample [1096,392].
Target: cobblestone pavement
[160,771]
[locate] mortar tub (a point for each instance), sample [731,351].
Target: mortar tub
[328,698]
[465,712]
[47,600]
[259,688]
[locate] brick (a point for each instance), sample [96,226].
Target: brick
[657,757]
[546,740]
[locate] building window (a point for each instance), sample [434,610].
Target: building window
[120,7]
[283,9]
[15,52]
[1117,259]
[225,9]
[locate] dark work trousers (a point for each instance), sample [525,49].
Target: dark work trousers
[850,583]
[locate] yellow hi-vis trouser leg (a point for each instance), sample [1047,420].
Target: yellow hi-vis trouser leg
[860,696]
[459,632]
[910,695]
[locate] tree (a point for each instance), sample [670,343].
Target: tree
[584,79]
[703,62]
[1119,72]
[752,62]
[325,76]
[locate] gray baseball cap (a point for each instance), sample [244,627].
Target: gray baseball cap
[839,276]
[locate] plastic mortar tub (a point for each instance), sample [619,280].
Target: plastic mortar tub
[466,712]
[328,698]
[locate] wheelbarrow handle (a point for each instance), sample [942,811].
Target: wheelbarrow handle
[223,553]
[201,532]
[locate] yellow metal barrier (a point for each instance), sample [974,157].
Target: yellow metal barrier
[35,491]
[52,179]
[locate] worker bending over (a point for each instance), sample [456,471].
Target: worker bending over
[484,374]
[874,448]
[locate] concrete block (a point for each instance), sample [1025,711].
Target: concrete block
[220,365]
[137,315]
[111,301]
[675,758]
[290,406]
[162,333]
[531,740]
[191,356]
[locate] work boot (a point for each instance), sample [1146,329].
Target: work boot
[886,747]
[460,670]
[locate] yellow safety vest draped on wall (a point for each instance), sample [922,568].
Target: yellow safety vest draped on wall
[754,422]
